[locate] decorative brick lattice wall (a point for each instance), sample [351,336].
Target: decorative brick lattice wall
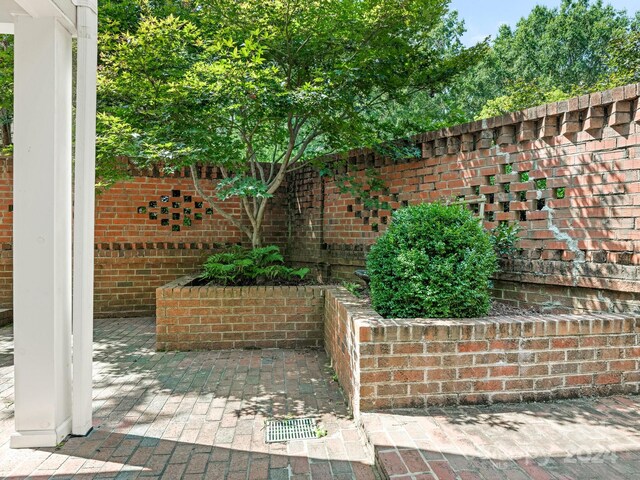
[147,235]
[155,228]
[149,231]
[567,172]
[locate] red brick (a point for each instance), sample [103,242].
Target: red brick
[579,379]
[408,348]
[375,377]
[504,371]
[566,342]
[408,376]
[488,385]
[510,344]
[441,374]
[392,389]
[468,373]
[476,346]
[607,378]
[622,365]
[365,334]
[393,362]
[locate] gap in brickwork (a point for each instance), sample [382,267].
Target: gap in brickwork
[185,212]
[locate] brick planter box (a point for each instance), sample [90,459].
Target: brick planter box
[206,318]
[394,363]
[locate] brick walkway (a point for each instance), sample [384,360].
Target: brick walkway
[201,415]
[160,415]
[581,439]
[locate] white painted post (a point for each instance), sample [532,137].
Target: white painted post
[83,220]
[42,232]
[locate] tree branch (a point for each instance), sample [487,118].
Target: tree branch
[214,205]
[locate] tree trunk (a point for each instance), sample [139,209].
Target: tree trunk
[256,240]
[6,135]
[256,225]
[6,128]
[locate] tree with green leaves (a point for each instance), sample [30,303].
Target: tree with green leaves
[623,59]
[6,88]
[431,110]
[260,89]
[552,54]
[521,95]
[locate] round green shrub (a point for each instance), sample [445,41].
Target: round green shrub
[433,261]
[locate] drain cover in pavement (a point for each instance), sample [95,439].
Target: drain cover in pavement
[292,429]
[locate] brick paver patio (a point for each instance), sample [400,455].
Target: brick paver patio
[193,415]
[201,415]
[581,439]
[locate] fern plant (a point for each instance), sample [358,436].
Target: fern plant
[241,266]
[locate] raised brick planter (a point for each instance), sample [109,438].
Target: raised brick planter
[206,318]
[393,363]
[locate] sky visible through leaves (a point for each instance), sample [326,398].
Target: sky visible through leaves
[482,19]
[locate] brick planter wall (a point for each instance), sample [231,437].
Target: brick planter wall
[342,341]
[394,363]
[206,318]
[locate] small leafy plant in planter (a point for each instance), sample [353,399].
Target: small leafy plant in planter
[504,239]
[434,260]
[354,289]
[258,266]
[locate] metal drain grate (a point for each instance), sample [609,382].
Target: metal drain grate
[292,429]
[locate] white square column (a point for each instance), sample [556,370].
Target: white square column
[83,220]
[42,232]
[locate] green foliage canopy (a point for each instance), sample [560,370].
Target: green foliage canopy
[261,88]
[623,58]
[6,87]
[552,54]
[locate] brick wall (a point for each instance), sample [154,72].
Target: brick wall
[155,228]
[149,231]
[418,362]
[579,252]
[6,235]
[204,318]
[558,298]
[342,342]
[567,172]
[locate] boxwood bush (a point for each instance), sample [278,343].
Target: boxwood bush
[434,260]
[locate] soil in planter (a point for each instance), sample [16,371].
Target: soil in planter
[497,309]
[293,282]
